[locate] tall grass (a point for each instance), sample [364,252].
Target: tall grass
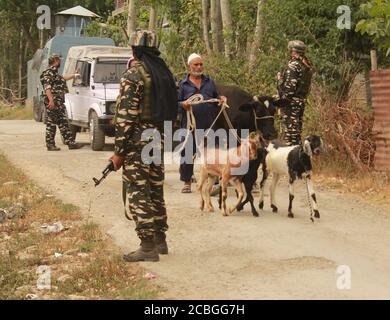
[91,263]
[18,112]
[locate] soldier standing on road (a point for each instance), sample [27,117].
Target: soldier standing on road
[147,97]
[294,86]
[54,86]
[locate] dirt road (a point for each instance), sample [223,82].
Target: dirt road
[215,257]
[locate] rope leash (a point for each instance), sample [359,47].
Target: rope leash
[196,99]
[229,123]
[215,120]
[199,99]
[265,117]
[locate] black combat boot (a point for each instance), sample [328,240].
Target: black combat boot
[53,148]
[146,252]
[161,243]
[75,146]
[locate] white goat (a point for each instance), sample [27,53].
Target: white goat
[295,162]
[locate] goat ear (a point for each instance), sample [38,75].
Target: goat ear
[246,107]
[307,148]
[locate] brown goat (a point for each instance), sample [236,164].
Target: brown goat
[228,165]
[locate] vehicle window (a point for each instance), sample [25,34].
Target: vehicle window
[109,72]
[85,72]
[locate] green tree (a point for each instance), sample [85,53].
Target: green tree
[377,24]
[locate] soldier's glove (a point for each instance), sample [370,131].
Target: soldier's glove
[117,161]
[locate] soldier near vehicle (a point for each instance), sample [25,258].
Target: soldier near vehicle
[294,84]
[55,87]
[147,97]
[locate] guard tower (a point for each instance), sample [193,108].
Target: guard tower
[72,22]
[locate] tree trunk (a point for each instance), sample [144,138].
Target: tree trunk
[25,55]
[227,27]
[3,69]
[186,33]
[1,76]
[258,35]
[132,17]
[216,25]
[153,17]
[32,42]
[20,75]
[205,24]
[8,76]
[219,24]
[2,58]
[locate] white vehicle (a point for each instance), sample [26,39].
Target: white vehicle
[91,101]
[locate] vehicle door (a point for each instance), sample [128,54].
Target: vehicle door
[81,99]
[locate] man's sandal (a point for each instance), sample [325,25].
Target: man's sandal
[186,189]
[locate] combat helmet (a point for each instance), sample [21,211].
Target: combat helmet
[54,57]
[297,45]
[143,38]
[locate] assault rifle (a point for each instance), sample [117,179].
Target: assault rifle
[106,172]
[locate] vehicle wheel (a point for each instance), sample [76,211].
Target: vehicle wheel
[96,133]
[37,110]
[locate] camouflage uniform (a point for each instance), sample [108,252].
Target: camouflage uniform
[144,181]
[52,80]
[294,85]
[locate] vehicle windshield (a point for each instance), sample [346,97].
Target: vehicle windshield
[109,71]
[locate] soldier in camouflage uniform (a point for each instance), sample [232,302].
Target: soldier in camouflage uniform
[54,86]
[144,181]
[294,86]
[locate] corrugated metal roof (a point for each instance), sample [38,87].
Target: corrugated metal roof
[380,87]
[78,11]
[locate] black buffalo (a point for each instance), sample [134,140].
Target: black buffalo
[247,113]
